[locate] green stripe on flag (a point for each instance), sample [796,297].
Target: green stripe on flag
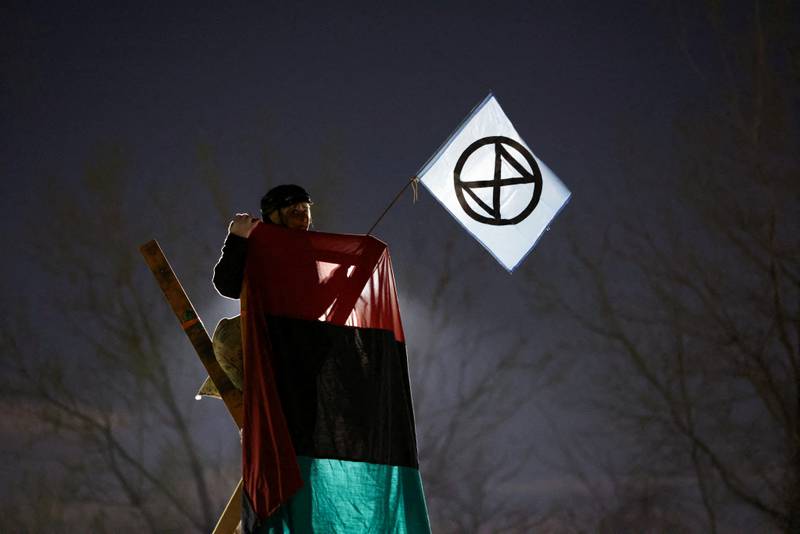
[340,497]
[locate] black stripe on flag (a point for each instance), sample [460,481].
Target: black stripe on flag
[345,391]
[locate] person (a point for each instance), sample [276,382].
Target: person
[329,442]
[287,205]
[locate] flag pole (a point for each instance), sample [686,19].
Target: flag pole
[414,182]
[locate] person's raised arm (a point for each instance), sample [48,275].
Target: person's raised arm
[229,270]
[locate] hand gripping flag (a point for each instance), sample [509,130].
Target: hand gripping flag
[492,183]
[329,442]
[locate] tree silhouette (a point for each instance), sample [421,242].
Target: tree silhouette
[693,310]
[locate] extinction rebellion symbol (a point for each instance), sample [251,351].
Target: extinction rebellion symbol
[492,214]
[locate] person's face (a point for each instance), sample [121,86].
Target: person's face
[296,216]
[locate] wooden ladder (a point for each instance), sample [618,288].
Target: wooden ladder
[196,332]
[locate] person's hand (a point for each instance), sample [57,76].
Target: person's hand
[242,224]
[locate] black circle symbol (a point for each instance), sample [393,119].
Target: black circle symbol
[532,176]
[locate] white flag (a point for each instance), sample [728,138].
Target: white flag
[493,184]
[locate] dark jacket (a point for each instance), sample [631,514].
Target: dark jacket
[229,270]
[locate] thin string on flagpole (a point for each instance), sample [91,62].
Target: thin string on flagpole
[414,183]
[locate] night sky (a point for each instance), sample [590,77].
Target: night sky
[386,85]
[377,90]
[349,100]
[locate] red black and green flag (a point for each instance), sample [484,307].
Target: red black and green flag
[329,442]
